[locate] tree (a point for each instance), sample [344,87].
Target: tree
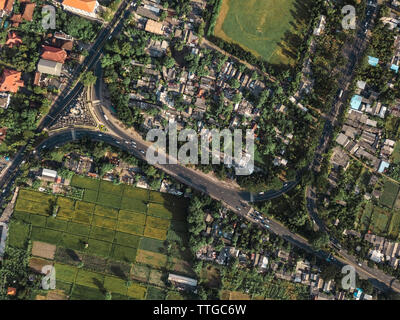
[88,78]
[320,241]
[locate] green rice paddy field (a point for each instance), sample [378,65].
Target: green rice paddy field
[115,234]
[262,26]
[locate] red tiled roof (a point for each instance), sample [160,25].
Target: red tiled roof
[11,291]
[28,11]
[13,39]
[2,4]
[37,78]
[85,5]
[3,133]
[17,18]
[9,6]
[54,54]
[10,81]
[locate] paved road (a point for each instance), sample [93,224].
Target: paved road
[230,198]
[91,60]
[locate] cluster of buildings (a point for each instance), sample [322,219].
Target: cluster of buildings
[360,134]
[283,263]
[194,90]
[383,250]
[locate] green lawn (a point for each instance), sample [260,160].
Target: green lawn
[260,26]
[389,195]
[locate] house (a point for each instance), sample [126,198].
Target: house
[49,175]
[4,100]
[10,81]
[321,26]
[13,39]
[181,282]
[147,13]
[28,11]
[154,27]
[54,54]
[11,291]
[7,5]
[49,67]
[3,134]
[86,8]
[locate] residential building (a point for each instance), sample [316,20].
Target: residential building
[81,7]
[10,81]
[49,67]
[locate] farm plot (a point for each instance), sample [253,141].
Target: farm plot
[43,250]
[379,220]
[18,234]
[109,187]
[85,182]
[267,28]
[394,226]
[104,240]
[151,258]
[389,195]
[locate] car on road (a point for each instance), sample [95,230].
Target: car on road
[117,142]
[359,264]
[238,208]
[142,151]
[261,193]
[110,37]
[105,117]
[100,135]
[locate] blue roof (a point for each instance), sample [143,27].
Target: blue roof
[373,61]
[356,102]
[383,166]
[395,68]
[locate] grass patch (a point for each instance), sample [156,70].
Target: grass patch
[130,228]
[45,235]
[133,204]
[104,222]
[155,233]
[65,273]
[100,248]
[261,27]
[109,187]
[127,239]
[106,212]
[56,224]
[123,253]
[86,293]
[85,182]
[151,258]
[18,234]
[90,195]
[108,199]
[158,223]
[154,293]
[102,234]
[153,245]
[133,217]
[389,195]
[78,229]
[136,291]
[90,279]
